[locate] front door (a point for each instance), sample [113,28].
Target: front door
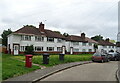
[16,49]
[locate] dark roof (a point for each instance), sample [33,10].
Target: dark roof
[90,40]
[79,39]
[105,43]
[50,33]
[35,31]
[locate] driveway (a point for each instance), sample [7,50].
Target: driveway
[87,72]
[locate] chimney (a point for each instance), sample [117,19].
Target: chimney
[83,35]
[107,39]
[41,27]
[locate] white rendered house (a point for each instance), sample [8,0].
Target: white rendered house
[47,41]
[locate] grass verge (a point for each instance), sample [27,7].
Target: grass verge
[12,67]
[54,59]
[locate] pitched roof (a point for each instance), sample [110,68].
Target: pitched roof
[105,43]
[90,40]
[35,31]
[79,39]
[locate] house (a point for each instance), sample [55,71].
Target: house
[47,41]
[106,46]
[42,39]
[80,44]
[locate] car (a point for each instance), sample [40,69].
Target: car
[100,57]
[114,56]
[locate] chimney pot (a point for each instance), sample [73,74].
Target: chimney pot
[83,35]
[41,27]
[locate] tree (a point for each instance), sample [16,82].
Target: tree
[95,47]
[4,36]
[65,34]
[29,49]
[58,32]
[97,38]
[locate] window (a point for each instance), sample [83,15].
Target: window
[38,48]
[83,44]
[90,44]
[104,46]
[59,40]
[50,48]
[59,49]
[22,48]
[50,39]
[112,46]
[75,43]
[26,37]
[109,46]
[83,50]
[76,50]
[38,38]
[90,50]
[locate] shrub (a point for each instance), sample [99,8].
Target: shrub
[29,49]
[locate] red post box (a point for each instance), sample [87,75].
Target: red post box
[28,62]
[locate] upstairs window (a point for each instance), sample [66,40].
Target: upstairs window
[50,39]
[83,44]
[75,43]
[38,38]
[59,40]
[90,44]
[104,46]
[26,37]
[112,46]
[50,48]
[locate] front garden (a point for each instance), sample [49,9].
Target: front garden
[14,65]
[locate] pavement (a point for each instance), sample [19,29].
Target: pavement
[118,72]
[37,75]
[88,72]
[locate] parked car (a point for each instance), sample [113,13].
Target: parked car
[114,56]
[100,57]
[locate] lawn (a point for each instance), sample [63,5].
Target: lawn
[0,67]
[12,67]
[54,59]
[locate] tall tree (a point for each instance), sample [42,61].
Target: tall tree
[4,36]
[65,34]
[97,38]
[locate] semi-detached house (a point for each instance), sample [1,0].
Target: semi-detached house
[47,41]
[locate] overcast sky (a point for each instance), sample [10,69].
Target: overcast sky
[92,17]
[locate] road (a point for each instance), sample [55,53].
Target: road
[87,72]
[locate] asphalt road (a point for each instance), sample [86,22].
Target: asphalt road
[87,72]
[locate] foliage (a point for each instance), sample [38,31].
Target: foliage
[29,49]
[97,38]
[4,36]
[112,41]
[54,59]
[12,67]
[29,26]
[58,32]
[65,34]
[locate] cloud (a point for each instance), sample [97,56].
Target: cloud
[71,16]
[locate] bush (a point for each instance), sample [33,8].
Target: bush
[29,49]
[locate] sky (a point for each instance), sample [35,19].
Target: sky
[93,17]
